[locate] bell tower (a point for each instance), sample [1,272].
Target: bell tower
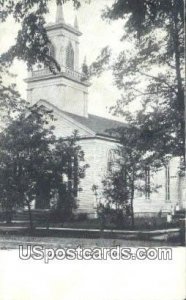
[67,90]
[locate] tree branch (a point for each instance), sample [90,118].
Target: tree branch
[160,80]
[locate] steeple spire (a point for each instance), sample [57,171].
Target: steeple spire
[59,14]
[76,23]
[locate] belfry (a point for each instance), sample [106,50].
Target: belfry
[66,90]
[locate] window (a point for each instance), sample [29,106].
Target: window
[147,183]
[111,160]
[51,51]
[70,57]
[167,183]
[72,181]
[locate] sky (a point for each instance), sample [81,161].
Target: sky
[96,35]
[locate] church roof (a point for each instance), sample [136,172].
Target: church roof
[97,124]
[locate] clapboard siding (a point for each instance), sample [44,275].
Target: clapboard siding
[96,155]
[65,128]
[157,199]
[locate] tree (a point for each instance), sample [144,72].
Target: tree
[150,77]
[32,41]
[11,104]
[156,31]
[114,203]
[28,149]
[25,156]
[154,28]
[68,170]
[31,46]
[30,154]
[132,168]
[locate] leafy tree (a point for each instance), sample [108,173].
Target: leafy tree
[31,155]
[150,77]
[32,41]
[155,30]
[31,46]
[11,104]
[25,156]
[131,168]
[68,170]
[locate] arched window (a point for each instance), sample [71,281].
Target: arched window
[51,51]
[111,162]
[70,56]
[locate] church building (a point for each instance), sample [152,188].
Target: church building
[66,93]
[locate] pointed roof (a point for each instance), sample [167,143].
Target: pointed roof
[99,125]
[59,14]
[60,22]
[93,124]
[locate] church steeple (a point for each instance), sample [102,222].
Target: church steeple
[68,89]
[60,14]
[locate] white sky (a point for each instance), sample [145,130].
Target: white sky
[96,35]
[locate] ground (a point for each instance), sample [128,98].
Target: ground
[13,242]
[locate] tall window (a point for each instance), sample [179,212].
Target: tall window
[70,56]
[72,184]
[167,183]
[111,160]
[51,51]
[147,183]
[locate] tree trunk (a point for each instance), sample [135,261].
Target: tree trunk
[132,212]
[30,216]
[8,215]
[132,202]
[180,89]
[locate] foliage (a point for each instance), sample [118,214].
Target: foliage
[134,158]
[25,156]
[155,31]
[31,155]
[150,75]
[68,170]
[101,62]
[109,216]
[11,104]
[32,41]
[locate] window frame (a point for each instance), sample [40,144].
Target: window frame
[70,56]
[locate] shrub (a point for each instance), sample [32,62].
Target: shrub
[82,217]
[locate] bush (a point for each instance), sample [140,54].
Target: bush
[110,217]
[82,217]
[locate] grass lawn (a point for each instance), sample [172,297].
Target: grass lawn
[13,242]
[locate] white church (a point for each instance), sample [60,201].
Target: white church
[67,95]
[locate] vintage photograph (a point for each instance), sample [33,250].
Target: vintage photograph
[92,128]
